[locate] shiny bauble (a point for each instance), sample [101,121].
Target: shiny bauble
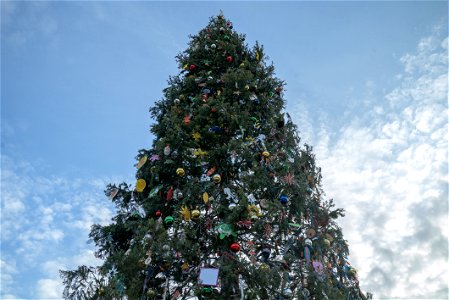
[229,58]
[213,46]
[326,242]
[177,101]
[195,214]
[235,247]
[264,267]
[283,199]
[216,178]
[192,67]
[180,172]
[166,247]
[308,242]
[222,30]
[266,154]
[151,293]
[158,213]
[352,272]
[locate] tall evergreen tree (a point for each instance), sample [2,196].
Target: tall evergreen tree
[227,205]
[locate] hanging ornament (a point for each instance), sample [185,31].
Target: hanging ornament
[225,230]
[229,24]
[185,213]
[199,153]
[283,199]
[229,58]
[187,119]
[141,162]
[177,101]
[216,178]
[258,55]
[151,293]
[155,157]
[213,46]
[170,194]
[310,233]
[266,251]
[318,266]
[167,150]
[185,267]
[195,214]
[211,171]
[196,136]
[180,172]
[169,220]
[205,197]
[264,267]
[235,247]
[288,179]
[326,242]
[140,185]
[158,213]
[113,193]
[222,30]
[266,154]
[192,67]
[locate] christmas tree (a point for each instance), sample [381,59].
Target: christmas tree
[227,205]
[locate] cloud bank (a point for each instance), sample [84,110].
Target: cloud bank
[388,167]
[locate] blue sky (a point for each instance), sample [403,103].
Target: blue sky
[366,83]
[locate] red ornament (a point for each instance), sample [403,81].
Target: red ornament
[235,247]
[229,58]
[213,109]
[192,67]
[170,194]
[158,213]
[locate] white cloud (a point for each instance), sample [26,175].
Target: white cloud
[45,225]
[49,288]
[390,174]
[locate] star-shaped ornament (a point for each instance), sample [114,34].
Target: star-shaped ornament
[289,178]
[196,136]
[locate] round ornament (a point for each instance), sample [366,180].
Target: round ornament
[229,58]
[140,185]
[235,247]
[151,293]
[264,267]
[195,214]
[158,213]
[180,172]
[213,46]
[310,233]
[169,220]
[326,242]
[329,237]
[222,30]
[177,101]
[283,199]
[192,67]
[216,178]
[266,154]
[308,242]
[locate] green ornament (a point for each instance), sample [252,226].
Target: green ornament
[225,230]
[206,290]
[169,220]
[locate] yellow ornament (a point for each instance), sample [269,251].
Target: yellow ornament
[242,65]
[247,87]
[199,152]
[180,172]
[205,197]
[185,266]
[196,136]
[216,178]
[141,162]
[185,213]
[258,55]
[326,242]
[353,272]
[266,154]
[140,185]
[264,267]
[195,214]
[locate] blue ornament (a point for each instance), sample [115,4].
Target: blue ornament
[215,129]
[283,199]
